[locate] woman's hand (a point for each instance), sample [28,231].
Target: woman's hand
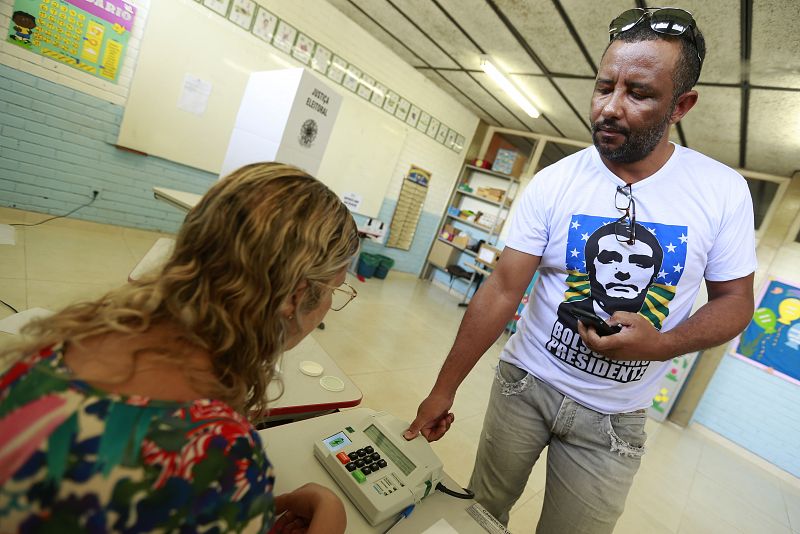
[310,509]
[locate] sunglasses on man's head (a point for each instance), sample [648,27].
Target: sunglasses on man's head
[666,20]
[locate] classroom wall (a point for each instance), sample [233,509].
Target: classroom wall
[743,403]
[57,129]
[58,126]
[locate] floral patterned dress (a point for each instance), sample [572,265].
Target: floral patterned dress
[76,459]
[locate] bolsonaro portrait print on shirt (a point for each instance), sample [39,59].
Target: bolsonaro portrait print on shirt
[605,273]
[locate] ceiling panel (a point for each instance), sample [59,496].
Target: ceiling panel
[484,99]
[720,23]
[776,44]
[712,126]
[539,124]
[773,141]
[541,26]
[435,23]
[458,94]
[579,93]
[591,21]
[547,99]
[362,20]
[482,24]
[391,19]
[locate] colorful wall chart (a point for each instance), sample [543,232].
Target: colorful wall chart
[90,35]
[772,339]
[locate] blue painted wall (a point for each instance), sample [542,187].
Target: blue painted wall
[755,410]
[56,147]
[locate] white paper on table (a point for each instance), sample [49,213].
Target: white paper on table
[13,323]
[7,235]
[440,527]
[194,94]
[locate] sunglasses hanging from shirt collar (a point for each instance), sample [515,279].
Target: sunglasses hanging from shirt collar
[666,20]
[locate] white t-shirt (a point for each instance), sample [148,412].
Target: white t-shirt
[694,221]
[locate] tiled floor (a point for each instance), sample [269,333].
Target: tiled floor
[391,340]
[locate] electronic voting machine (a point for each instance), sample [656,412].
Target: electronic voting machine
[377,468]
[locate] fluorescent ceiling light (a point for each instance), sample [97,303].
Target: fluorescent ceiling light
[495,74]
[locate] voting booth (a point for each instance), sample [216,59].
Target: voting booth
[286,115]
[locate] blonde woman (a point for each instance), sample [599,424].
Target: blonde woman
[130,413]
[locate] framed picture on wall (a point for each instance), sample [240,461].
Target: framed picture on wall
[284,37]
[424,122]
[413,116]
[303,48]
[337,69]
[321,59]
[220,6]
[442,135]
[352,77]
[451,139]
[242,13]
[459,144]
[365,87]
[379,94]
[265,24]
[390,104]
[433,128]
[402,109]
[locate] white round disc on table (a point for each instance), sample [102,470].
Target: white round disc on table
[331,383]
[310,368]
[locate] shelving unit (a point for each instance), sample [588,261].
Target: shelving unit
[466,251]
[534,152]
[440,255]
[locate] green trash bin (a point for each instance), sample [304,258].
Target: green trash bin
[384,264]
[367,264]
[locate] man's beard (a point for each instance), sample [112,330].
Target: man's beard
[638,144]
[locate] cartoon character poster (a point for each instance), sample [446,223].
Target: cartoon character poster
[772,339]
[609,270]
[89,35]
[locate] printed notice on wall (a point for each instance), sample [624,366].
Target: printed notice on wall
[352,201]
[89,35]
[194,95]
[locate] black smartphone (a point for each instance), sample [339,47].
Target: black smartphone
[591,319]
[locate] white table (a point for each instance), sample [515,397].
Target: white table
[290,449]
[303,396]
[180,199]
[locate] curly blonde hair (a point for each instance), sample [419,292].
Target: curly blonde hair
[239,257]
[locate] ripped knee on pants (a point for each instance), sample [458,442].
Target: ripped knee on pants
[514,387]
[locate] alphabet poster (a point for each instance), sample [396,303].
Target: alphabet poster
[89,35]
[772,339]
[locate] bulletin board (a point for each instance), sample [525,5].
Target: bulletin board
[772,339]
[408,208]
[217,57]
[80,34]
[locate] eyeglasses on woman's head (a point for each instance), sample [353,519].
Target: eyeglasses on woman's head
[341,296]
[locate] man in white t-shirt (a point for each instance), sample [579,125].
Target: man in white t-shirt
[627,229]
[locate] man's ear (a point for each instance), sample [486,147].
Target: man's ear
[292,304]
[685,102]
